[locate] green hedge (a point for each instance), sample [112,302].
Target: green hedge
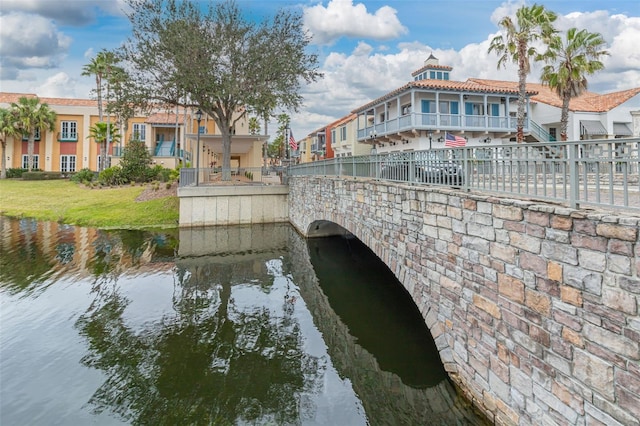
[14,173]
[41,175]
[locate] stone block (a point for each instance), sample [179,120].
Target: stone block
[508,212]
[597,417]
[592,260]
[572,337]
[511,288]
[615,343]
[583,279]
[549,399]
[594,372]
[563,223]
[571,295]
[630,284]
[538,218]
[557,235]
[559,252]
[538,301]
[487,306]
[618,232]
[615,411]
[532,262]
[584,226]
[619,300]
[589,242]
[524,242]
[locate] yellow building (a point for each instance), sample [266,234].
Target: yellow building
[171,137]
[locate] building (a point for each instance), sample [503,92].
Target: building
[171,137]
[418,115]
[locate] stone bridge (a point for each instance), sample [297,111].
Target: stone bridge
[533,306]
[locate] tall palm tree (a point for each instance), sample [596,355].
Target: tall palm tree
[30,116]
[101,66]
[532,23]
[574,58]
[7,128]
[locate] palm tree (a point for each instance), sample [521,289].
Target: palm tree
[7,128]
[30,115]
[532,24]
[101,66]
[99,132]
[575,58]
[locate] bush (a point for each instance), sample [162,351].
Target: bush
[17,173]
[84,175]
[135,161]
[112,176]
[41,175]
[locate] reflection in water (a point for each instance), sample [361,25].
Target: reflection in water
[129,327]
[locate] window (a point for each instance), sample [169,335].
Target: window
[67,163]
[36,161]
[35,138]
[432,75]
[406,109]
[69,131]
[108,162]
[553,134]
[343,133]
[202,130]
[139,131]
[382,117]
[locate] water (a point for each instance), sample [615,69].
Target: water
[239,325]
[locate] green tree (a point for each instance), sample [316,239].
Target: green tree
[573,59]
[532,23]
[104,134]
[223,63]
[7,128]
[136,159]
[103,67]
[254,126]
[30,116]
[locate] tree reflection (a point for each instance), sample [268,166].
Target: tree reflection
[217,360]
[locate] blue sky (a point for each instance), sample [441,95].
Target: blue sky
[366,47]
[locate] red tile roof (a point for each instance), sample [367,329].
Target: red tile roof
[587,102]
[6,97]
[469,86]
[162,118]
[432,67]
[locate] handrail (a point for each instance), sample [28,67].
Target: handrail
[603,173]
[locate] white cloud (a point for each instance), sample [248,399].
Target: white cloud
[59,85]
[42,46]
[342,18]
[75,13]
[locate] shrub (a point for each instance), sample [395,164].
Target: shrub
[112,176]
[41,175]
[84,175]
[17,173]
[135,161]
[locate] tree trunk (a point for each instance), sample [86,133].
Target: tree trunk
[30,151]
[226,153]
[564,116]
[3,171]
[522,91]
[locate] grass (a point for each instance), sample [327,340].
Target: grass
[67,202]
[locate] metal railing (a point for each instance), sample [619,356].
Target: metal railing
[236,175]
[601,173]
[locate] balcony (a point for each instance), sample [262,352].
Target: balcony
[434,121]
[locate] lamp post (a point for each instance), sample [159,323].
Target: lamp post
[430,134]
[198,119]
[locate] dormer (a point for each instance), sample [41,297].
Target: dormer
[432,70]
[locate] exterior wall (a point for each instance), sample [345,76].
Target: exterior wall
[233,205]
[533,307]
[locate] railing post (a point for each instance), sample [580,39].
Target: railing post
[573,175]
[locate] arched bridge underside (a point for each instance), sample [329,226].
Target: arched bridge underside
[533,307]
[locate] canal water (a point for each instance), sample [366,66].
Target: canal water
[224,326]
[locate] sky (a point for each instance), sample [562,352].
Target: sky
[366,48]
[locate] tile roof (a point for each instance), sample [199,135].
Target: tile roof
[587,102]
[6,97]
[469,86]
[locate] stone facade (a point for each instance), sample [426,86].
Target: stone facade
[534,307]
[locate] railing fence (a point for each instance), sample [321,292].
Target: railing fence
[582,173]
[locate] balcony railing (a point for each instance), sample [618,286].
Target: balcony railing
[433,121]
[67,137]
[182,154]
[603,173]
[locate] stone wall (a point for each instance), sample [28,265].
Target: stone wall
[533,307]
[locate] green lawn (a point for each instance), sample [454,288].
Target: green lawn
[67,202]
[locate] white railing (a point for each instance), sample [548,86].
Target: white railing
[601,173]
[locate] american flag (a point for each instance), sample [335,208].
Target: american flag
[292,142]
[454,141]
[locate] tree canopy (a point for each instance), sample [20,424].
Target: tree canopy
[213,58]
[29,116]
[532,23]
